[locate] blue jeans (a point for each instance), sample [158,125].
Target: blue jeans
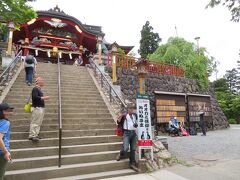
[29,74]
[129,138]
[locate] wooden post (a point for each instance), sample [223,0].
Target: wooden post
[114,69]
[141,83]
[99,54]
[10,38]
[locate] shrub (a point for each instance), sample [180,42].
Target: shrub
[232,121]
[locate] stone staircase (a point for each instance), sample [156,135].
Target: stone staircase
[89,142]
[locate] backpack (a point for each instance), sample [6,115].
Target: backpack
[29,59]
[184,132]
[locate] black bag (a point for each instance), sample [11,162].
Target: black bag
[29,59]
[192,131]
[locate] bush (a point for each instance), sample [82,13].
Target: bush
[232,121]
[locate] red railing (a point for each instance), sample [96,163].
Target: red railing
[152,67]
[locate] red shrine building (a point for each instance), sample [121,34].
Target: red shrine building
[55,34]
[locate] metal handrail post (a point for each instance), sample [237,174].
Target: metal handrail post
[110,94]
[59,116]
[101,80]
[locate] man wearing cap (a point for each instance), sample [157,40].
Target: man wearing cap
[5,156]
[38,110]
[128,121]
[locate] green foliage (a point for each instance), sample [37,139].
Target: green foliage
[230,104]
[221,85]
[232,5]
[121,52]
[17,11]
[232,121]
[149,40]
[196,62]
[231,77]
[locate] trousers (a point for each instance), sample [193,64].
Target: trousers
[29,74]
[36,121]
[129,138]
[3,165]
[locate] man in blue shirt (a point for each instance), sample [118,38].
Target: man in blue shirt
[5,156]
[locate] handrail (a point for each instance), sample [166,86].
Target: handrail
[113,95]
[59,116]
[5,74]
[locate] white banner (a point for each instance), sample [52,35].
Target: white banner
[144,122]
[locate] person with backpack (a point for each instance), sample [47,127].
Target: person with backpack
[30,65]
[128,122]
[5,156]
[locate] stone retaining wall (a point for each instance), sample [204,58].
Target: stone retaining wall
[128,81]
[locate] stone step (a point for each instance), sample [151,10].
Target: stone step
[67,105]
[53,90]
[46,161]
[65,115]
[66,141]
[101,175]
[52,127]
[71,109]
[64,97]
[65,133]
[74,149]
[66,121]
[66,170]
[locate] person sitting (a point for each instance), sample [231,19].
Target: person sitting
[174,126]
[78,61]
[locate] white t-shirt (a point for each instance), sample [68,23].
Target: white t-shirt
[128,123]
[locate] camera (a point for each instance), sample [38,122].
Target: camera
[135,125]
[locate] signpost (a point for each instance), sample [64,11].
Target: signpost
[144,124]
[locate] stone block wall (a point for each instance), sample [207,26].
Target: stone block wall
[128,80]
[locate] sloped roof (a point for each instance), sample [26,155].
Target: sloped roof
[57,13]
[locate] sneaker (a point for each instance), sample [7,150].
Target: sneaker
[34,139]
[29,84]
[118,157]
[39,137]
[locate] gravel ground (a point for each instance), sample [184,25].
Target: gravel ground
[217,145]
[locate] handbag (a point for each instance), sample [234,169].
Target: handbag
[119,130]
[27,107]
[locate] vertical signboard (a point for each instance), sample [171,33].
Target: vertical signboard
[144,124]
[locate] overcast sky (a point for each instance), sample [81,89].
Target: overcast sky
[122,21]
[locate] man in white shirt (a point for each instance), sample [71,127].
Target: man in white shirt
[128,121]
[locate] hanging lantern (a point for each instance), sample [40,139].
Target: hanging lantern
[49,54]
[81,49]
[60,55]
[36,52]
[55,51]
[70,55]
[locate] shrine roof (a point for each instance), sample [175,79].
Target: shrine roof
[57,13]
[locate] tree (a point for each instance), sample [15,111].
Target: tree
[231,76]
[196,62]
[149,41]
[232,5]
[16,11]
[221,85]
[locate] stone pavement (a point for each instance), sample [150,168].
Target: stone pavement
[214,157]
